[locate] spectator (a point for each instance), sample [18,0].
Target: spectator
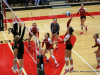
[42,1]
[37,2]
[45,1]
[6,1]
[30,2]
[24,1]
[67,1]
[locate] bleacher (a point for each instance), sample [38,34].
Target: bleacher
[19,5]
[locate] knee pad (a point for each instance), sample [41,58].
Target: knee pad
[52,56]
[97,58]
[66,58]
[15,58]
[20,68]
[70,58]
[82,25]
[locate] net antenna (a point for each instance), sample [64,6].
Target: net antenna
[36,40]
[4,13]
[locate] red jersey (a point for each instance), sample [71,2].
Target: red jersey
[34,30]
[97,43]
[67,36]
[82,12]
[47,42]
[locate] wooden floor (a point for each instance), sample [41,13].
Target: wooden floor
[82,54]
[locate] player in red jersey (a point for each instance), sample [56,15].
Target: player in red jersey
[83,13]
[35,30]
[49,47]
[67,41]
[97,43]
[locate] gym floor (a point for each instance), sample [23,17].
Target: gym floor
[82,53]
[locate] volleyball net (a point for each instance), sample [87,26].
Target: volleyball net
[8,19]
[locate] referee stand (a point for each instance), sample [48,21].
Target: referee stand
[40,64]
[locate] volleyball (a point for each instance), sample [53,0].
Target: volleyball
[68,13]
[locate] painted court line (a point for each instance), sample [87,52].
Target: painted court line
[12,52]
[85,62]
[30,54]
[80,57]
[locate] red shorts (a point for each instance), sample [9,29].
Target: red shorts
[31,35]
[34,34]
[50,47]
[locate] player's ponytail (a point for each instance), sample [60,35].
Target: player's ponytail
[16,39]
[71,30]
[48,35]
[97,35]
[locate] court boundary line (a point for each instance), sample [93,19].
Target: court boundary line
[30,55]
[80,57]
[12,52]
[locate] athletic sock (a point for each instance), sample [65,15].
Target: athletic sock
[14,66]
[66,67]
[36,48]
[71,66]
[47,58]
[82,31]
[99,64]
[55,62]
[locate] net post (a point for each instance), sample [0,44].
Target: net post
[39,47]
[35,48]
[1,17]
[40,62]
[4,12]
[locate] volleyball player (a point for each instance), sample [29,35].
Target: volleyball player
[20,46]
[49,47]
[35,30]
[15,32]
[68,49]
[68,23]
[97,43]
[83,13]
[55,32]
